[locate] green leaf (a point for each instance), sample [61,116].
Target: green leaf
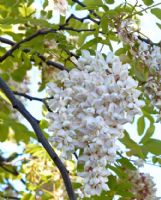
[117,171]
[132,145]
[90,3]
[156,12]
[149,117]
[3,96]
[153,146]
[141,125]
[120,51]
[104,23]
[28,196]
[21,132]
[148,2]
[141,72]
[126,163]
[44,124]
[159,25]
[148,134]
[109,1]
[91,42]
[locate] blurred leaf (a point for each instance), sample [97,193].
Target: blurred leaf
[91,3]
[44,124]
[126,163]
[141,125]
[93,42]
[104,23]
[109,1]
[3,96]
[159,25]
[156,12]
[148,134]
[141,72]
[153,146]
[132,145]
[148,2]
[28,196]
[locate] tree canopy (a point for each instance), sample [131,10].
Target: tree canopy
[97,72]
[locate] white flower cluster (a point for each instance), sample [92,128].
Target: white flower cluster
[143,187]
[58,5]
[150,55]
[153,90]
[127,31]
[50,44]
[90,104]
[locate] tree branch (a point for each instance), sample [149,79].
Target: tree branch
[41,138]
[48,62]
[9,197]
[27,39]
[144,9]
[148,41]
[15,173]
[52,63]
[72,16]
[80,30]
[3,165]
[43,100]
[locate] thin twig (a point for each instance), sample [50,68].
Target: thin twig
[15,173]
[41,138]
[9,197]
[143,10]
[148,41]
[43,100]
[72,16]
[43,58]
[52,63]
[80,30]
[27,39]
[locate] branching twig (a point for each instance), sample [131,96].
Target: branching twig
[48,62]
[15,173]
[72,16]
[80,30]
[143,10]
[27,39]
[41,138]
[3,165]
[7,41]
[43,100]
[148,41]
[52,63]
[9,197]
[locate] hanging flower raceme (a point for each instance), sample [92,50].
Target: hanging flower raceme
[142,185]
[90,105]
[127,31]
[149,55]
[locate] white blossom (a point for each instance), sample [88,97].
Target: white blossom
[58,5]
[90,106]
